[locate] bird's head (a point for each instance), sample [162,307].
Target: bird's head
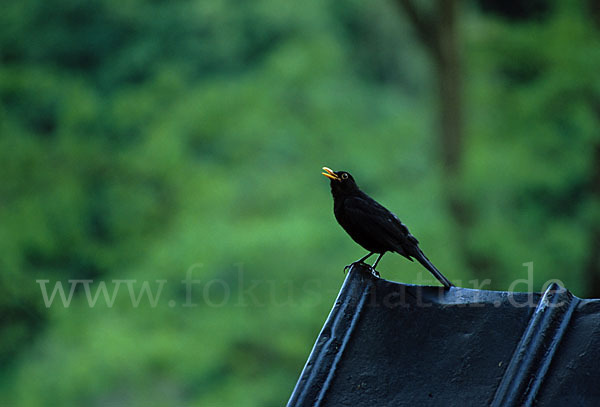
[341,181]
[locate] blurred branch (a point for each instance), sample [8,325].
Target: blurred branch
[425,26]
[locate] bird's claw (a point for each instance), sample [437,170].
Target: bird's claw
[373,272]
[349,266]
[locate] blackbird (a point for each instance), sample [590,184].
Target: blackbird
[372,226]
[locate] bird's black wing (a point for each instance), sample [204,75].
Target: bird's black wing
[379,230]
[373,221]
[376,223]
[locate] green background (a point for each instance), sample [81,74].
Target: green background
[153,140]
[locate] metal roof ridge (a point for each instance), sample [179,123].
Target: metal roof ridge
[320,366]
[533,355]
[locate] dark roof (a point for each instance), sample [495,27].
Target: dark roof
[391,344]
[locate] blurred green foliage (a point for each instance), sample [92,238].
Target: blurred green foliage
[144,139]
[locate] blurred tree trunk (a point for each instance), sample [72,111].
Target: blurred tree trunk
[437,30]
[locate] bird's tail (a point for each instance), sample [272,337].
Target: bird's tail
[421,258]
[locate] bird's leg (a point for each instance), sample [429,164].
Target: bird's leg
[377,261]
[362,260]
[373,271]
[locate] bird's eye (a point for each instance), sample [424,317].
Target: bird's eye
[344,176]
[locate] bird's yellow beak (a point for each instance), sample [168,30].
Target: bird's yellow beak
[330,174]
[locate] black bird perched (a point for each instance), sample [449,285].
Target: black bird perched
[372,226]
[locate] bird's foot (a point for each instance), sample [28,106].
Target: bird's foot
[349,266]
[374,272]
